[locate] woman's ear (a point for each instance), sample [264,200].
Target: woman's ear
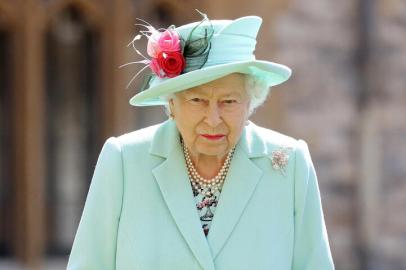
[171,105]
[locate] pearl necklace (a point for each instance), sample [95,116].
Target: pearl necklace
[207,187]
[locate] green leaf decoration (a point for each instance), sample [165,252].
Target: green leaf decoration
[197,46]
[147,79]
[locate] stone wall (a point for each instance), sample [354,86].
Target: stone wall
[319,106]
[388,82]
[346,98]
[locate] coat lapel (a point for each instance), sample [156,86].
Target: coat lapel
[171,176]
[242,178]
[240,184]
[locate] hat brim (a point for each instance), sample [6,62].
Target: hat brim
[273,73]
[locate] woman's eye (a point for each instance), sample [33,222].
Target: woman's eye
[229,101]
[196,99]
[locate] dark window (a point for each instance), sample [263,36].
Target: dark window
[6,181]
[73,123]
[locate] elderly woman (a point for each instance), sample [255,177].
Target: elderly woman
[206,189]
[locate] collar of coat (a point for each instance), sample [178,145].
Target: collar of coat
[243,178]
[255,141]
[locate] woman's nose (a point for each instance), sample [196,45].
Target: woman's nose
[213,117]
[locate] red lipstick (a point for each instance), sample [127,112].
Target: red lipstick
[213,137]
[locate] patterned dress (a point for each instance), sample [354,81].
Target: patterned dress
[206,206]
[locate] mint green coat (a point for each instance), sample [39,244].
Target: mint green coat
[140,212]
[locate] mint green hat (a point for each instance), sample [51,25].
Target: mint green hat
[231,49]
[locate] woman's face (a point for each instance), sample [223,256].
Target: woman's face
[211,117]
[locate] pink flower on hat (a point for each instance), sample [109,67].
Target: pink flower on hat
[168,52]
[154,65]
[169,41]
[153,48]
[172,63]
[165,50]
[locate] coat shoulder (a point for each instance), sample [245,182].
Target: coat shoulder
[270,138]
[138,137]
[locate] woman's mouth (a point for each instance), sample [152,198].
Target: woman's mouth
[213,137]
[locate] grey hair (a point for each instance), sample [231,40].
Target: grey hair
[257,89]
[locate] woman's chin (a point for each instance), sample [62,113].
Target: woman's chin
[212,149]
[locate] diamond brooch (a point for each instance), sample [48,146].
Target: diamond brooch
[280,159]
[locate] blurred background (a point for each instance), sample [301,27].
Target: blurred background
[62,95]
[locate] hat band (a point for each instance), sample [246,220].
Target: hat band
[223,52]
[192,64]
